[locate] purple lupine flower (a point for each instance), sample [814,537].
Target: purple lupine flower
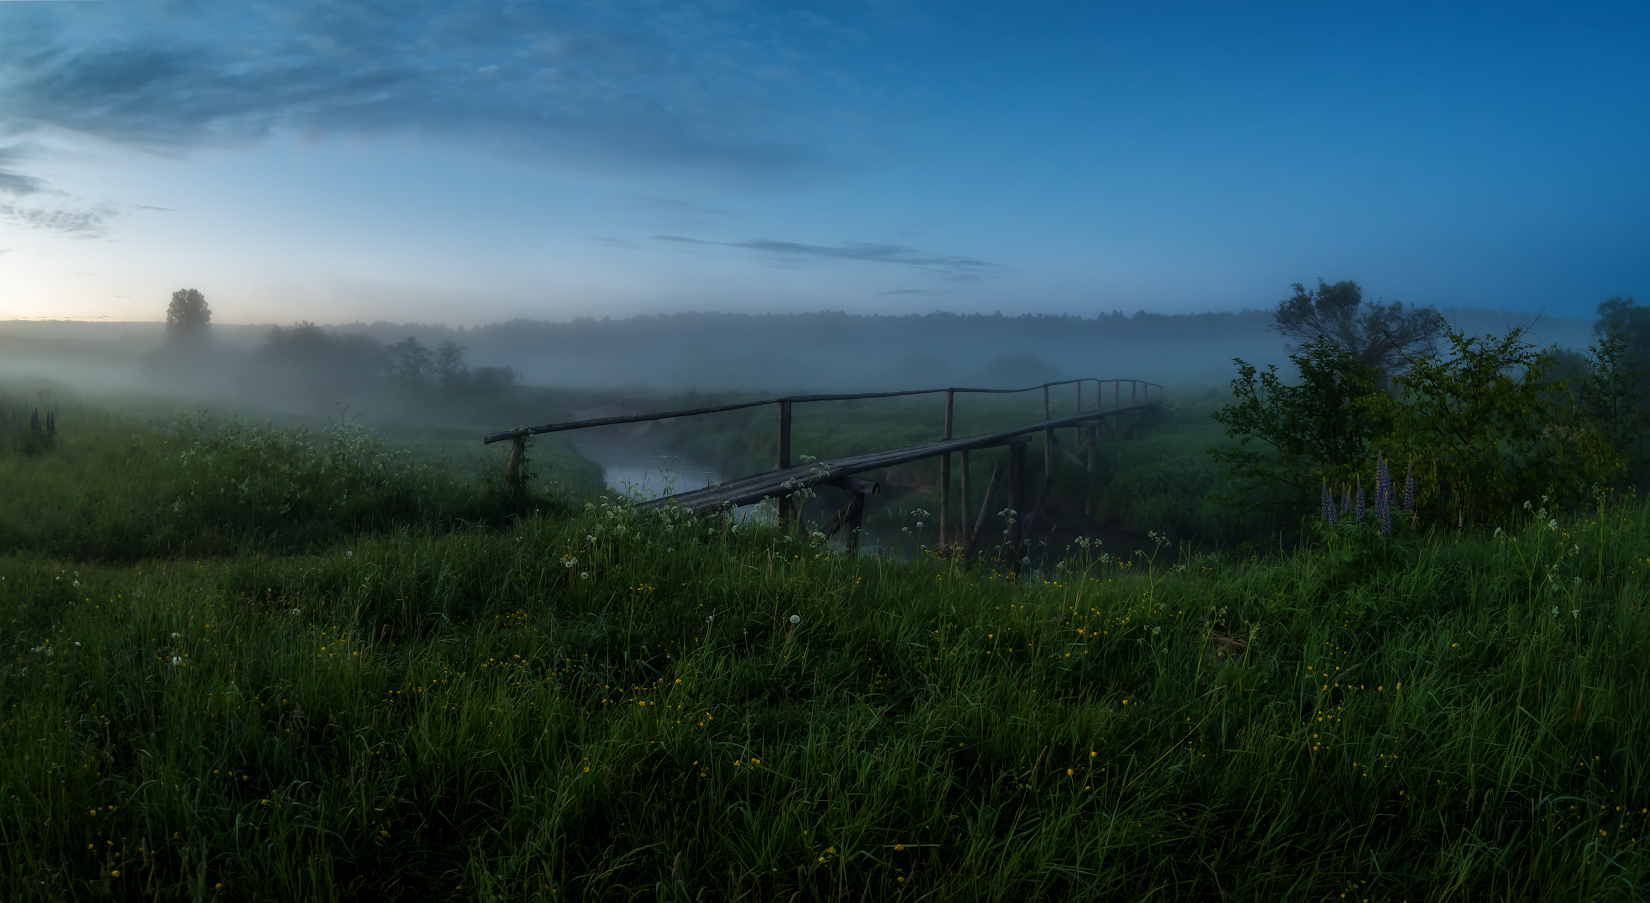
[1409,488]
[1328,503]
[1360,500]
[1346,499]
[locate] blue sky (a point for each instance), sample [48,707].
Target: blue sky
[468,162]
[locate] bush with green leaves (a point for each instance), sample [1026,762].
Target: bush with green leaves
[1483,424]
[1486,430]
[1292,438]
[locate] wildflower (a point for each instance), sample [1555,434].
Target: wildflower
[1409,489]
[1359,510]
[795,620]
[1328,504]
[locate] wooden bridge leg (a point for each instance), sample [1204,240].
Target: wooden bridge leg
[965,537]
[985,508]
[1048,450]
[512,465]
[856,519]
[1016,498]
[1094,440]
[945,472]
[787,507]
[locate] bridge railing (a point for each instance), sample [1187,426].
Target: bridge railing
[1140,397]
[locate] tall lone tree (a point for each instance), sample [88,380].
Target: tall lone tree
[1383,337]
[187,315]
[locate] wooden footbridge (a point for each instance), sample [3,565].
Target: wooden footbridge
[789,480]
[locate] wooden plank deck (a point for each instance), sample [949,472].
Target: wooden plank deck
[778,483]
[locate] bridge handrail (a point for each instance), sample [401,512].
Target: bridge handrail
[521,432]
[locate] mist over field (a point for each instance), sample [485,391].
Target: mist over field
[703,352]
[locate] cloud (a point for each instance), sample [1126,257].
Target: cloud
[12,182]
[915,291]
[952,267]
[612,84]
[17,184]
[85,222]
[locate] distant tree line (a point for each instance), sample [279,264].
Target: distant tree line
[408,364]
[306,365]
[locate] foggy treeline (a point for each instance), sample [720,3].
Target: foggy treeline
[308,368]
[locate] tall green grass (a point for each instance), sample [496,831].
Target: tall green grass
[124,488]
[607,705]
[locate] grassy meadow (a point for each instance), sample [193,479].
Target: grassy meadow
[430,691]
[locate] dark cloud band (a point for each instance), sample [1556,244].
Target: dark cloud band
[950,266]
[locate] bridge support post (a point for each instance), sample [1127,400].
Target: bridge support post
[965,537]
[512,465]
[1048,450]
[787,507]
[856,519]
[1016,500]
[945,472]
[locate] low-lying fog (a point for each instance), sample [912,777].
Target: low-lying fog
[309,370]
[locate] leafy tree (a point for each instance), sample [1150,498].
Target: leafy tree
[450,370]
[411,362]
[188,314]
[1627,318]
[1486,430]
[1291,438]
[1612,399]
[494,380]
[1382,337]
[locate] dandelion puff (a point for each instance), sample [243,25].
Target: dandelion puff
[796,619]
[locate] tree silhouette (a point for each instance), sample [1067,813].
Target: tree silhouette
[1383,337]
[188,314]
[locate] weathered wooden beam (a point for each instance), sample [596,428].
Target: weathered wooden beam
[945,468]
[985,508]
[512,466]
[787,511]
[780,483]
[854,484]
[690,412]
[1016,499]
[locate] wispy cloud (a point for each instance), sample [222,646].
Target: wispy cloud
[621,83]
[86,222]
[952,267]
[12,182]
